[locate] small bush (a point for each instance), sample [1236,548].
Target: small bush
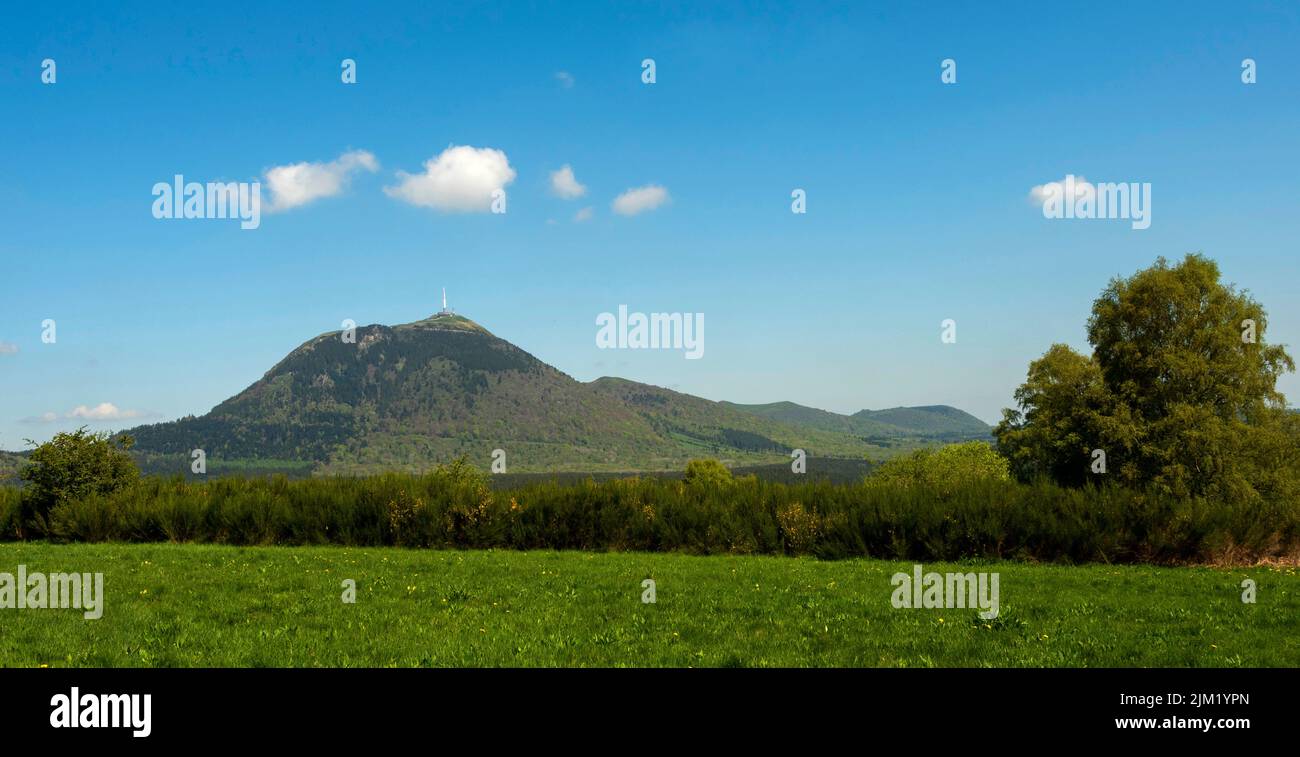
[801,528]
[72,466]
[946,468]
[707,472]
[403,511]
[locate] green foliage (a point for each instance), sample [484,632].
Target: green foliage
[1175,394]
[976,515]
[835,470]
[707,472]
[70,467]
[1065,413]
[11,499]
[946,468]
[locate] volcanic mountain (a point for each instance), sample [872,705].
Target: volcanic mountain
[410,396]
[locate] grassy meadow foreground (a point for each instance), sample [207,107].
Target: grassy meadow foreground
[210,605]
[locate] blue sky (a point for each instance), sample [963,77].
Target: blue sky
[918,203]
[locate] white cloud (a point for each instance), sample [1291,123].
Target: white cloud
[1069,189]
[564,184]
[8,348]
[640,199]
[297,184]
[565,78]
[459,180]
[104,411]
[584,215]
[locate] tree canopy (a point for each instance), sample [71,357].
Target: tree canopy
[71,466]
[1180,393]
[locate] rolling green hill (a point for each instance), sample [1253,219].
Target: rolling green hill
[929,420]
[720,429]
[789,412]
[410,396]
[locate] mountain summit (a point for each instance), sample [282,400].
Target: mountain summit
[410,396]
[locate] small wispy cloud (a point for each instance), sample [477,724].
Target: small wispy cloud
[584,215]
[8,348]
[565,79]
[104,411]
[640,199]
[298,184]
[565,184]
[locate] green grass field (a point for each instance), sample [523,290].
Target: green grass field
[189,605]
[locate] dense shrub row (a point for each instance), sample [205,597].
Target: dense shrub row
[455,507]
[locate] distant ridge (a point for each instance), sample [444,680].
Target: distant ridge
[936,422]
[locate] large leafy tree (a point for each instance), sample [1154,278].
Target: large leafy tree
[1180,393]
